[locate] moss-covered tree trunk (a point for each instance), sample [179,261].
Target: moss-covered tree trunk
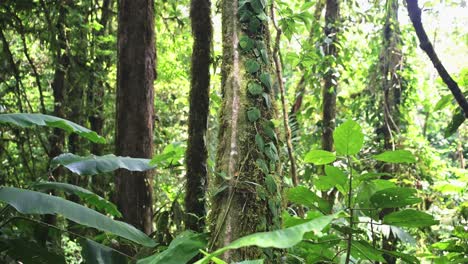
[135,108]
[246,187]
[196,155]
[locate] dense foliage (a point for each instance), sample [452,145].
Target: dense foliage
[352,148]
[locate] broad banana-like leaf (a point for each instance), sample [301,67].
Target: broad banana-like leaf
[95,253]
[86,195]
[92,165]
[283,238]
[31,202]
[181,250]
[29,120]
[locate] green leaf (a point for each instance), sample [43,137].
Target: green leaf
[266,98]
[264,55]
[269,129]
[363,250]
[409,259]
[265,78]
[253,114]
[181,250]
[257,6]
[95,253]
[397,156]
[29,120]
[283,238]
[348,138]
[303,196]
[410,218]
[254,25]
[255,88]
[92,165]
[262,16]
[259,142]
[86,195]
[252,66]
[244,13]
[271,151]
[171,155]
[271,184]
[337,175]
[319,157]
[394,197]
[257,261]
[261,164]
[457,120]
[31,202]
[246,43]
[443,102]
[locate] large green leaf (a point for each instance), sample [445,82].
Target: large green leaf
[410,218]
[348,138]
[397,156]
[95,253]
[29,120]
[365,251]
[283,238]
[86,195]
[303,196]
[92,165]
[31,202]
[457,120]
[319,157]
[394,197]
[181,250]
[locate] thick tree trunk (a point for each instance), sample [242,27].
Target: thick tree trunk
[247,197]
[196,155]
[134,129]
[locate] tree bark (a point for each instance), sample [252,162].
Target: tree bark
[247,198]
[197,154]
[134,129]
[330,79]
[329,90]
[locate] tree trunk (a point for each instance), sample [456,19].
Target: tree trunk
[196,155]
[390,63]
[96,92]
[247,189]
[330,79]
[329,90]
[135,109]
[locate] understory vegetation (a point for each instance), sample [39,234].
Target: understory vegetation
[233,131]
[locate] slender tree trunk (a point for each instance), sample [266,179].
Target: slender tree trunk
[196,155]
[136,73]
[329,90]
[96,92]
[390,63]
[247,197]
[57,138]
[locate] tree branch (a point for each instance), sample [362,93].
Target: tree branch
[415,15]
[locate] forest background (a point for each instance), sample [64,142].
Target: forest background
[327,90]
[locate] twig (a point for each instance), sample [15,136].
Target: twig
[279,75]
[351,212]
